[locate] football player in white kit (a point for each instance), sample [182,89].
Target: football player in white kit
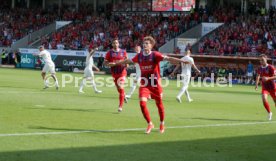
[137,75]
[88,72]
[186,76]
[48,67]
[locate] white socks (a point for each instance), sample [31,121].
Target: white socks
[132,89]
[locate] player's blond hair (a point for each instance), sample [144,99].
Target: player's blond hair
[263,56]
[150,39]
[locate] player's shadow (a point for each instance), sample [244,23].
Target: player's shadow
[220,119]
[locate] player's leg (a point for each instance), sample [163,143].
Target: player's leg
[82,85]
[133,87]
[53,75]
[92,80]
[266,104]
[45,81]
[144,93]
[188,96]
[185,82]
[161,111]
[186,91]
[119,82]
[273,95]
[43,75]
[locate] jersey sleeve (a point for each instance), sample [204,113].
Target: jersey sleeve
[271,70]
[192,61]
[107,56]
[159,57]
[125,55]
[135,59]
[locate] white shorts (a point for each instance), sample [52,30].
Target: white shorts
[250,74]
[49,68]
[88,73]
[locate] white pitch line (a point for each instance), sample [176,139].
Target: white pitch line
[134,129]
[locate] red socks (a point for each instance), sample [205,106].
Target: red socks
[146,114]
[145,110]
[121,96]
[266,105]
[161,110]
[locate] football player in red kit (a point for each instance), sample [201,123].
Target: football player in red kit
[267,73]
[149,61]
[119,73]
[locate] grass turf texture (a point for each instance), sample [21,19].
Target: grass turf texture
[26,108]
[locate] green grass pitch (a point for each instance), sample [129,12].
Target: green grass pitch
[222,124]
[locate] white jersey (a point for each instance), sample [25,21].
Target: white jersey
[46,56]
[89,61]
[187,68]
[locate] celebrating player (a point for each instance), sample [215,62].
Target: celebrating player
[48,67]
[149,62]
[88,72]
[267,73]
[118,72]
[137,75]
[186,75]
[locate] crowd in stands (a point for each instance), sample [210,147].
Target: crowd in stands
[19,22]
[129,28]
[242,36]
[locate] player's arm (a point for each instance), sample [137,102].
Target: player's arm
[195,67]
[257,81]
[124,62]
[93,51]
[96,68]
[175,69]
[175,60]
[269,78]
[39,55]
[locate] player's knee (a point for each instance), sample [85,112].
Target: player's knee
[143,99]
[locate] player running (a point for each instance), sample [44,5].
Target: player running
[186,75]
[149,62]
[48,67]
[119,73]
[267,73]
[137,75]
[88,72]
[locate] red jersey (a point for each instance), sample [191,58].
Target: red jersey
[112,56]
[267,71]
[150,67]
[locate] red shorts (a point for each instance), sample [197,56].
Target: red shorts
[151,92]
[271,92]
[119,80]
